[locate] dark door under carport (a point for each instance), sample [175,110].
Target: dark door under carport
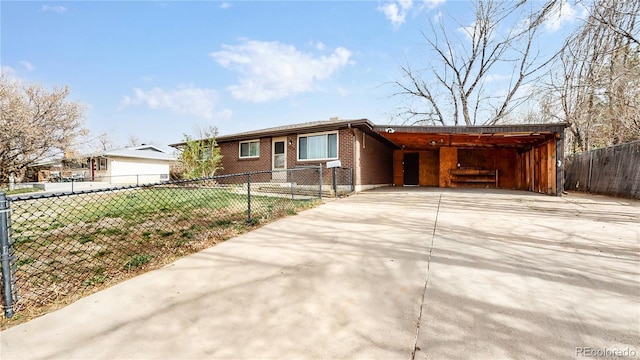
[411,169]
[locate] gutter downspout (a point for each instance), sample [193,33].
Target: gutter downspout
[356,167]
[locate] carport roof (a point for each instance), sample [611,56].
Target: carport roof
[419,137]
[519,136]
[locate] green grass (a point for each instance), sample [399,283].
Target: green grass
[126,232]
[165,233]
[24,261]
[141,204]
[132,206]
[137,261]
[21,191]
[86,238]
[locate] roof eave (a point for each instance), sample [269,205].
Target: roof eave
[365,123]
[476,129]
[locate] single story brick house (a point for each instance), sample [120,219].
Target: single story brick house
[521,157]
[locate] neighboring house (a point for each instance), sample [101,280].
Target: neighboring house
[523,157]
[134,165]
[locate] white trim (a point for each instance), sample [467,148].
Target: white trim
[278,174]
[245,142]
[318,134]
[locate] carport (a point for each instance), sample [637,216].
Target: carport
[520,157]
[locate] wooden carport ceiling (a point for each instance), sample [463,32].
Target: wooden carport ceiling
[418,141]
[503,136]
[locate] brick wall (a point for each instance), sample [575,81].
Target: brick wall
[374,158]
[375,161]
[345,154]
[232,163]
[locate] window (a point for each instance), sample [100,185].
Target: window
[316,147]
[250,149]
[102,163]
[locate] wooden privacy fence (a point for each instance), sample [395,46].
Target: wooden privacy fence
[613,170]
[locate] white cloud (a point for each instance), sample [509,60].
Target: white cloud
[224,115]
[496,78]
[431,4]
[437,17]
[396,11]
[225,5]
[27,66]
[563,13]
[468,30]
[343,92]
[186,99]
[57,9]
[272,70]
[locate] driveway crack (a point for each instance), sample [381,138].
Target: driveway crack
[426,281]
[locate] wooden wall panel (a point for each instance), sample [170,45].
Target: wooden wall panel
[398,168]
[542,165]
[505,160]
[448,161]
[551,165]
[429,168]
[532,170]
[537,169]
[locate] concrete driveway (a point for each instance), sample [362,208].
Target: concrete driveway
[394,273]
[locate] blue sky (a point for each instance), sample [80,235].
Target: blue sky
[156,69]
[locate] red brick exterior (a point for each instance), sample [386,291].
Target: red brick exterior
[370,159]
[233,164]
[375,165]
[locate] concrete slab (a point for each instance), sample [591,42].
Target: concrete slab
[386,274]
[532,277]
[340,281]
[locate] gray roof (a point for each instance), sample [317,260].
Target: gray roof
[149,152]
[324,125]
[474,129]
[375,130]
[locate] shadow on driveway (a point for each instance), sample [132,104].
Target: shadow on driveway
[387,274]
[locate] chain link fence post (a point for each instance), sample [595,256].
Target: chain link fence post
[320,181]
[291,179]
[335,181]
[5,256]
[249,198]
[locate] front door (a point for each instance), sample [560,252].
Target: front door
[411,168]
[279,159]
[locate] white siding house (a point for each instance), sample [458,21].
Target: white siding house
[136,165]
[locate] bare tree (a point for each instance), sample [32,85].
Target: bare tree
[596,88]
[133,141]
[453,90]
[104,141]
[35,124]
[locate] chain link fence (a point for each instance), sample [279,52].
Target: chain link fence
[341,180]
[58,247]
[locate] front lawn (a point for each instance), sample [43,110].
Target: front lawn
[70,246]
